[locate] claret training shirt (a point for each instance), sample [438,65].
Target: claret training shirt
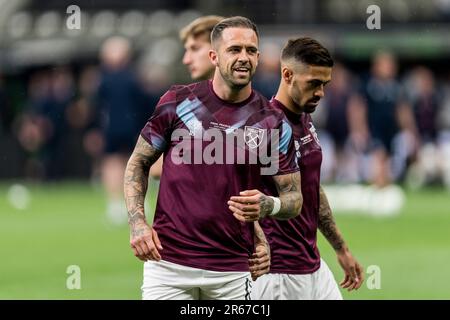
[190,125]
[293,242]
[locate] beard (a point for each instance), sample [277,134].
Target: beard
[309,106]
[236,82]
[309,109]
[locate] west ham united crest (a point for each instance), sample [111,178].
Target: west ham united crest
[253,136]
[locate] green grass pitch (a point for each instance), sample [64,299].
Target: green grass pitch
[65,225]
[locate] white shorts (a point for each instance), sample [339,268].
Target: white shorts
[319,285]
[165,280]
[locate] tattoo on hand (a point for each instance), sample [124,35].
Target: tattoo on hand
[137,230]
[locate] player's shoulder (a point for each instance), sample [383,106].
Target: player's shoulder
[261,115]
[180,92]
[184,91]
[267,110]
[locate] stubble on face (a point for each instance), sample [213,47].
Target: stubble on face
[308,81]
[238,56]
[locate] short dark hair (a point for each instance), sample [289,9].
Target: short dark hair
[233,22]
[308,51]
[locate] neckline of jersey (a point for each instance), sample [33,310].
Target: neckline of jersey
[292,116]
[228,103]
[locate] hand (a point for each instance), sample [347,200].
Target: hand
[250,205]
[145,242]
[260,261]
[354,276]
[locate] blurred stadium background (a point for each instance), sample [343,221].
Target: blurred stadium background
[384,127]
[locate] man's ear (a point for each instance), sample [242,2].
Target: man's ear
[287,75]
[213,57]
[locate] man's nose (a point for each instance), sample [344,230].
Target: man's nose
[319,93]
[186,58]
[243,56]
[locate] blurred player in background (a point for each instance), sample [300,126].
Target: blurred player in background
[387,118]
[196,38]
[119,99]
[297,271]
[196,249]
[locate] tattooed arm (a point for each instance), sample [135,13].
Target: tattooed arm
[327,225]
[290,194]
[143,239]
[251,205]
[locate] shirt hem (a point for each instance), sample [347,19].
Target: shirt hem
[297,271]
[202,267]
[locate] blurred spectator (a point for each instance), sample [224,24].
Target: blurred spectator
[92,137]
[424,100]
[5,109]
[425,103]
[120,101]
[43,126]
[389,121]
[84,138]
[355,162]
[444,133]
[339,92]
[11,159]
[333,120]
[382,93]
[267,74]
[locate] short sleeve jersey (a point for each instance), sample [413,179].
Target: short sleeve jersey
[293,242]
[210,147]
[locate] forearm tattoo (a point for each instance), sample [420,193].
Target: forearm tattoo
[289,190]
[327,224]
[136,182]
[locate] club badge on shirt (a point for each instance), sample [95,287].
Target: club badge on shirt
[253,136]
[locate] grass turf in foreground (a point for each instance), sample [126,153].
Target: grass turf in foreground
[65,225]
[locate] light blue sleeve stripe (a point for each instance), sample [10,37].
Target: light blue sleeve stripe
[185,111]
[158,143]
[286,136]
